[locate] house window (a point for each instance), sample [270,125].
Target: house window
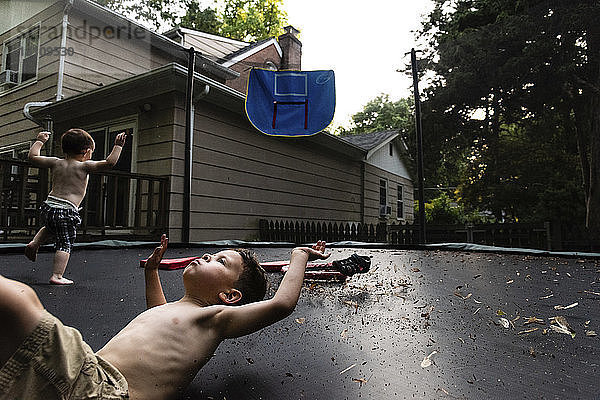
[383,207]
[391,149]
[400,202]
[270,65]
[110,199]
[18,151]
[20,59]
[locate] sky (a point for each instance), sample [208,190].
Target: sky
[363,42]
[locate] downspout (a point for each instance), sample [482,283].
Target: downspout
[202,94]
[63,46]
[46,123]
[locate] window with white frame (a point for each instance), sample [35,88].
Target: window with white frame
[20,59]
[400,201]
[383,206]
[17,151]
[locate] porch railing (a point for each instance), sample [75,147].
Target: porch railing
[118,205]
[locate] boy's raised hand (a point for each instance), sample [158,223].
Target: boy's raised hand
[43,136]
[316,252]
[120,139]
[155,258]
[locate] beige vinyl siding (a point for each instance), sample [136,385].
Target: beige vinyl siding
[372,176]
[14,127]
[241,175]
[153,147]
[14,12]
[101,60]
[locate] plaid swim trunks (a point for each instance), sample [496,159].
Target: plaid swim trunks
[61,218]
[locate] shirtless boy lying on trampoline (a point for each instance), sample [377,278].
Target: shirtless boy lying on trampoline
[160,351]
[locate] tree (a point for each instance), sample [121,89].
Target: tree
[203,20]
[157,14]
[531,69]
[382,114]
[252,20]
[246,20]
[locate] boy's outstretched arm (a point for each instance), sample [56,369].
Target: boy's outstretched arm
[234,321]
[111,160]
[34,152]
[154,292]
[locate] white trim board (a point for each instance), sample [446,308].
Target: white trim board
[252,51]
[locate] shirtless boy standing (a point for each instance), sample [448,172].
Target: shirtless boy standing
[160,351]
[60,212]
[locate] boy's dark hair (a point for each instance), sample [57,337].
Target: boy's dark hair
[76,141]
[252,282]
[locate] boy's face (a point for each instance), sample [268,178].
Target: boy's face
[213,273]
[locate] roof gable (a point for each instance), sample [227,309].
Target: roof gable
[213,46]
[251,49]
[374,143]
[221,49]
[370,141]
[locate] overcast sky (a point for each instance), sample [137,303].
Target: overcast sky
[364,42]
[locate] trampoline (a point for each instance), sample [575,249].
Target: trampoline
[368,337]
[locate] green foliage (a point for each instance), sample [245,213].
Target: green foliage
[246,20]
[252,20]
[203,20]
[444,210]
[510,105]
[155,13]
[382,114]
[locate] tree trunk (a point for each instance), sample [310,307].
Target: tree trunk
[592,220]
[593,195]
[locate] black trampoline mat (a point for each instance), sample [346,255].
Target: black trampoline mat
[368,338]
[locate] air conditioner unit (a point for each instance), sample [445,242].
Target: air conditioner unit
[385,210]
[9,78]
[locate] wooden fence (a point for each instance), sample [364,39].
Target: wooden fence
[543,236]
[311,231]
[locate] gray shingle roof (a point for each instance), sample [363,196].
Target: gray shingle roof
[244,49]
[368,141]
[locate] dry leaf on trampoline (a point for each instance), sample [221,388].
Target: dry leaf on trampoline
[504,322]
[559,307]
[427,361]
[528,331]
[561,326]
[534,320]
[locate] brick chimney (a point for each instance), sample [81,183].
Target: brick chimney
[291,47]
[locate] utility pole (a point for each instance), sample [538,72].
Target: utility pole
[421,194]
[189,147]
